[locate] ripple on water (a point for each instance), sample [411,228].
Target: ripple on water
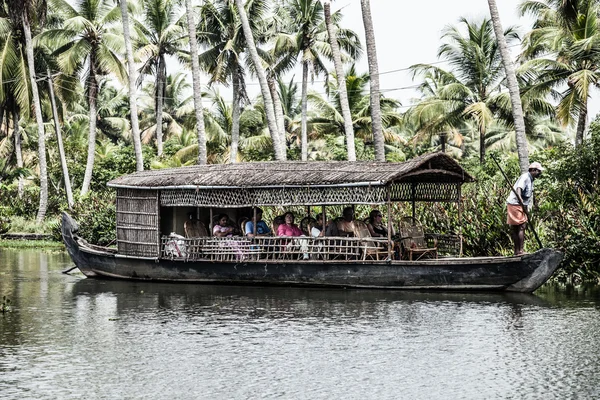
[104,340]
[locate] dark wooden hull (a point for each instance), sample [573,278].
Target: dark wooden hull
[519,274]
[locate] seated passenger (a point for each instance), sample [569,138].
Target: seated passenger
[375,225]
[342,226]
[223,226]
[261,227]
[316,230]
[289,228]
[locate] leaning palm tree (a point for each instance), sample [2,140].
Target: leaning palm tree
[22,12]
[564,51]
[262,78]
[135,125]
[87,46]
[191,25]
[513,88]
[374,72]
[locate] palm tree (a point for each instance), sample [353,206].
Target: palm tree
[262,78]
[469,91]
[196,83]
[329,121]
[339,71]
[159,35]
[513,88]
[374,72]
[22,12]
[135,125]
[85,45]
[222,36]
[564,50]
[312,44]
[178,110]
[59,139]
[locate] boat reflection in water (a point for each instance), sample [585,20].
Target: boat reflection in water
[278,302]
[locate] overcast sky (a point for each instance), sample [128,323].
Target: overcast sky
[409,32]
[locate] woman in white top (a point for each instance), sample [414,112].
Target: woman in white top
[317,229]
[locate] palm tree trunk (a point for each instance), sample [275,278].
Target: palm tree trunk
[61,148]
[200,131]
[18,149]
[278,114]
[513,89]
[581,124]
[135,125]
[160,88]
[235,119]
[341,79]
[260,72]
[304,116]
[481,145]
[92,85]
[43,207]
[376,124]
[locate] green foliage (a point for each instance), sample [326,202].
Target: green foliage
[96,215]
[570,203]
[4,220]
[29,225]
[120,160]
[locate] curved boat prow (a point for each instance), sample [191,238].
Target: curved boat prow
[68,227]
[547,261]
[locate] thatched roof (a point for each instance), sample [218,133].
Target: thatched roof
[435,167]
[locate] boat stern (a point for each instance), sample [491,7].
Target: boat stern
[545,263]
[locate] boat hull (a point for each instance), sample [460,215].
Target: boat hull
[519,274]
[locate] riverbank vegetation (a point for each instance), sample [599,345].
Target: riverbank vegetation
[94,118]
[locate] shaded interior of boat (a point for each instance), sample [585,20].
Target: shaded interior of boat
[153,206]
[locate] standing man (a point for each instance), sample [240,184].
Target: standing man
[516,205]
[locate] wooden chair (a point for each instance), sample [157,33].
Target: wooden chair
[412,239]
[242,224]
[194,228]
[370,248]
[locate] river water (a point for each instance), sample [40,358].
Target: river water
[67,337]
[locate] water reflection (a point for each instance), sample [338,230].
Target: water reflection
[70,337]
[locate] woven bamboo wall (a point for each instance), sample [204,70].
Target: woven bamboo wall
[425,191]
[138,223]
[230,198]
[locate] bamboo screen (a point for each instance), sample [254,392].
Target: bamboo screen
[138,223]
[283,196]
[425,191]
[230,198]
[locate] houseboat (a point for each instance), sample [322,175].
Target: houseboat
[153,207]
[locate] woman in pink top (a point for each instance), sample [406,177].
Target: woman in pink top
[289,228]
[222,228]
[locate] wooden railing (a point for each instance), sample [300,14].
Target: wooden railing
[241,249]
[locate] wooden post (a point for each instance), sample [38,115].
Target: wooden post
[254,221]
[389,223]
[210,223]
[460,237]
[413,195]
[324,219]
